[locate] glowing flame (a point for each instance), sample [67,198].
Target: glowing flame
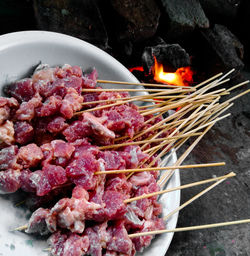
[182,76]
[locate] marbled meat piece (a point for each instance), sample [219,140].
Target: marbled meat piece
[123,118]
[77,130]
[6,104]
[69,244]
[81,171]
[115,207]
[71,103]
[133,156]
[113,160]
[22,90]
[82,147]
[26,111]
[97,127]
[119,184]
[8,158]
[37,222]
[88,97]
[58,124]
[50,107]
[7,133]
[70,213]
[98,237]
[24,132]
[142,242]
[48,178]
[30,155]
[141,179]
[9,181]
[90,79]
[120,242]
[57,152]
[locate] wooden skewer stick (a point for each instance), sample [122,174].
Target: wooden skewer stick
[208,80]
[165,177]
[147,96]
[193,199]
[21,228]
[141,84]
[147,141]
[162,168]
[194,130]
[191,89]
[238,85]
[215,225]
[229,175]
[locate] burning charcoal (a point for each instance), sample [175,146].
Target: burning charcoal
[225,44]
[141,18]
[184,16]
[172,56]
[77,18]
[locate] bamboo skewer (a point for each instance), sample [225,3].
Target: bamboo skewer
[147,141]
[161,168]
[214,225]
[170,91]
[165,176]
[208,80]
[229,175]
[193,199]
[141,84]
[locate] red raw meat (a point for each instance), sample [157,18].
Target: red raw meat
[71,103]
[7,133]
[77,130]
[90,79]
[8,158]
[98,237]
[37,222]
[26,111]
[57,125]
[9,181]
[22,90]
[30,155]
[24,132]
[50,107]
[120,242]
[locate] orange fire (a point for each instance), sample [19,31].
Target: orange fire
[182,76]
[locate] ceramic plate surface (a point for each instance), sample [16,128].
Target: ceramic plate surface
[19,53]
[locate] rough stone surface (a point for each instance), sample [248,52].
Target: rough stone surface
[78,18]
[220,9]
[141,18]
[229,141]
[228,48]
[184,16]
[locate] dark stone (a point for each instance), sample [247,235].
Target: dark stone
[16,15]
[217,10]
[140,17]
[225,44]
[172,56]
[184,16]
[77,18]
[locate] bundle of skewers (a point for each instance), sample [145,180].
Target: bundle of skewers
[63,135]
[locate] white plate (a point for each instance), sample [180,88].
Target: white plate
[19,53]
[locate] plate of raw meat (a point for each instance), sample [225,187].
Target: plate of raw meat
[51,154]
